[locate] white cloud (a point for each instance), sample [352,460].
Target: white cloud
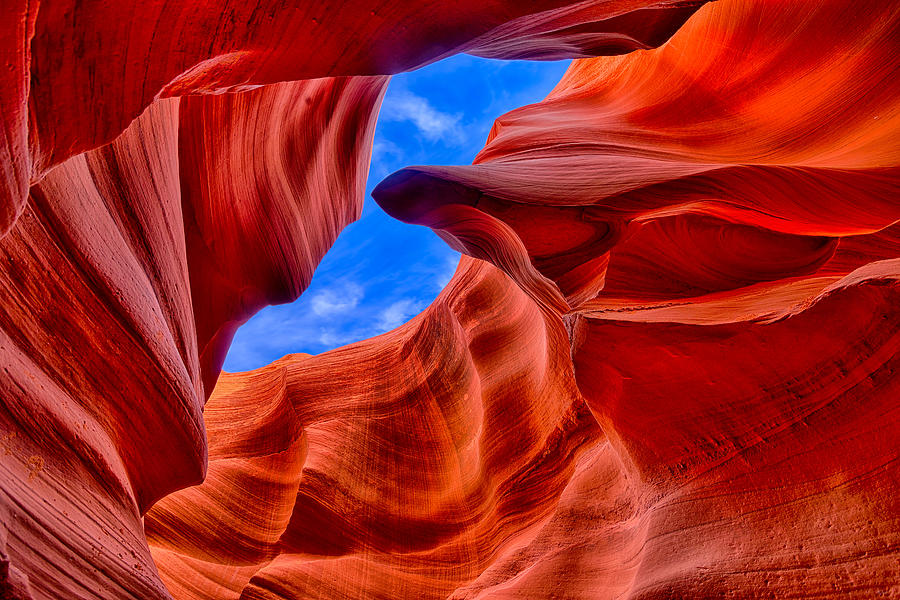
[386,157]
[336,300]
[446,274]
[433,124]
[384,148]
[333,339]
[398,313]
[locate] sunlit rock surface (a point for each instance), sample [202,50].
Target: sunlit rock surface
[668,371]
[77,73]
[120,300]
[716,220]
[448,440]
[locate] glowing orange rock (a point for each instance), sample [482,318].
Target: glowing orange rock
[154,226]
[411,483]
[718,216]
[77,73]
[753,131]
[119,300]
[676,379]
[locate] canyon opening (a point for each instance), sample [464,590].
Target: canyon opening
[606,301]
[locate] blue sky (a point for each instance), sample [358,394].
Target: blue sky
[380,272]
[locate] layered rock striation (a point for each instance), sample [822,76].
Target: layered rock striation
[666,368]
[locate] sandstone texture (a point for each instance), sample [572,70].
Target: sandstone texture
[665,367]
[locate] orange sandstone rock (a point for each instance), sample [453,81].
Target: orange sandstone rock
[667,372]
[447,440]
[119,303]
[77,73]
[714,220]
[756,122]
[154,225]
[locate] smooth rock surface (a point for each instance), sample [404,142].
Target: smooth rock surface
[666,369]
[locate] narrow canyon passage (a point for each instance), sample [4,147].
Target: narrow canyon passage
[381,272]
[664,367]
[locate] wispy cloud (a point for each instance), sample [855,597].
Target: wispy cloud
[433,124]
[387,157]
[333,339]
[445,274]
[399,313]
[383,149]
[336,300]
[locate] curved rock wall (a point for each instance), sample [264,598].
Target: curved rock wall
[666,371]
[715,219]
[120,301]
[79,72]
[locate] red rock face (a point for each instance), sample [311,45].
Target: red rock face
[666,372]
[79,72]
[404,485]
[107,342]
[717,217]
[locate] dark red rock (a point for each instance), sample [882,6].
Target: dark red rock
[676,378]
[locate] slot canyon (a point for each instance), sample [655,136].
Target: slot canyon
[663,369]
